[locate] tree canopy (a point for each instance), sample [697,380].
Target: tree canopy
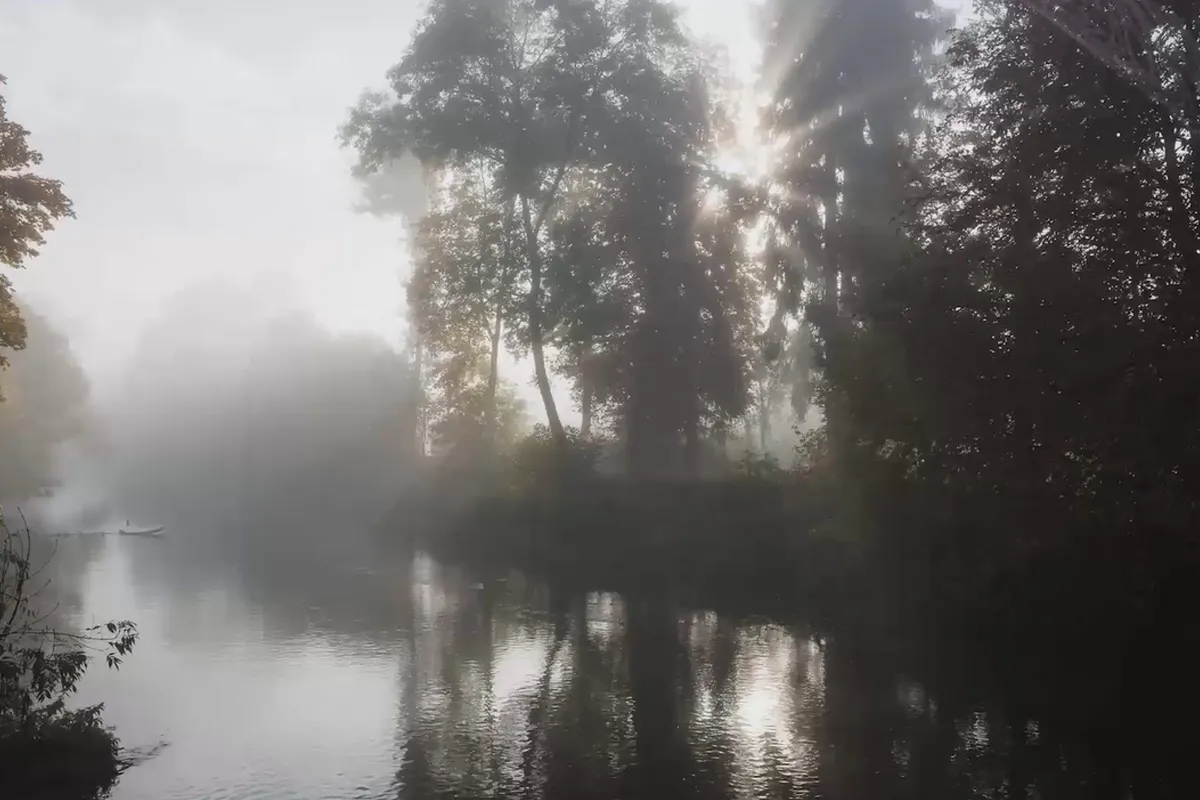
[972,250]
[29,206]
[594,127]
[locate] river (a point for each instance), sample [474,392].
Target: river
[399,677]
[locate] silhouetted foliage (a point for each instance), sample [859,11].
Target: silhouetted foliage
[43,743]
[592,125]
[542,466]
[987,299]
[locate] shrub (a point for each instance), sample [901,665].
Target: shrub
[47,749]
[541,464]
[759,467]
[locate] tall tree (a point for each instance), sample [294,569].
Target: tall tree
[652,286]
[482,80]
[585,293]
[537,89]
[1041,339]
[849,80]
[29,207]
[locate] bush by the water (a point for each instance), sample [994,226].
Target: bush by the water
[541,464]
[554,511]
[48,749]
[848,537]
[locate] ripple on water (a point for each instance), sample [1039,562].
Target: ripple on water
[426,682]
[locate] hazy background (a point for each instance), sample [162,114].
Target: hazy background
[216,220]
[198,139]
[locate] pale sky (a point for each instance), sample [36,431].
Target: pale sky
[198,137]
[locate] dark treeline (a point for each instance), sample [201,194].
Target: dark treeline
[973,251]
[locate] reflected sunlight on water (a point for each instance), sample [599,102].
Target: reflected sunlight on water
[412,680]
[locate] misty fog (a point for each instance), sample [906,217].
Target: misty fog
[599,399]
[206,162]
[253,411]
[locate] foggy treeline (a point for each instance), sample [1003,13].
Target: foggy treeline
[969,252]
[983,237]
[898,338]
[45,404]
[259,417]
[973,250]
[262,412]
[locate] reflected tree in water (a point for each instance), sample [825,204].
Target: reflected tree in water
[511,690]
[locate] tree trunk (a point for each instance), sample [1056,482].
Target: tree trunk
[829,203]
[834,418]
[1181,222]
[691,418]
[691,441]
[494,369]
[419,434]
[497,328]
[535,325]
[587,390]
[764,426]
[585,405]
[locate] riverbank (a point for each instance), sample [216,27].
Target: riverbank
[1084,631]
[888,570]
[72,755]
[625,536]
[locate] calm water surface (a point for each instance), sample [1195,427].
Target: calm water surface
[403,678]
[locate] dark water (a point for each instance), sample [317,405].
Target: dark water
[398,677]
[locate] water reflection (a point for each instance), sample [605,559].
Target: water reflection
[404,678]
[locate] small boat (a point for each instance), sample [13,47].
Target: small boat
[153,531]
